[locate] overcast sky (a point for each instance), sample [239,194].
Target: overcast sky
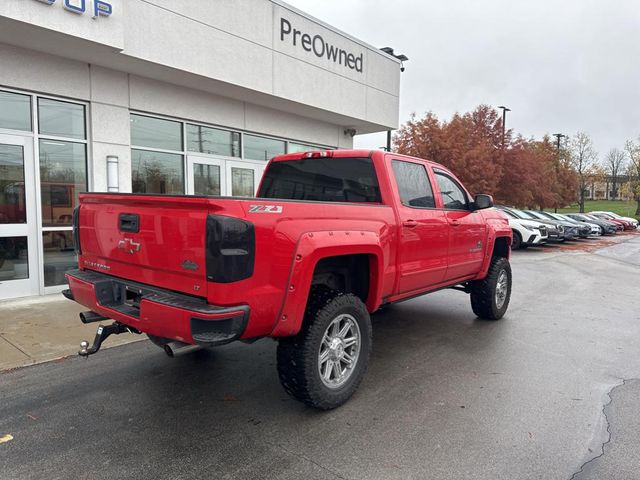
[561,66]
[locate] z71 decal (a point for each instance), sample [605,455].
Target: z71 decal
[265,208]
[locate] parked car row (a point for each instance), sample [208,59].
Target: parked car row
[534,228]
[628,223]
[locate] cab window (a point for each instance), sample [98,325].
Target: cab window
[413,184]
[453,195]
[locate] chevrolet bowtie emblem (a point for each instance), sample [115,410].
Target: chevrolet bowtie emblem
[129,246]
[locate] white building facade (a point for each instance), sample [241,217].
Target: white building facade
[167,97]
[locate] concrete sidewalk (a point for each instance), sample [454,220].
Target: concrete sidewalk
[40,329]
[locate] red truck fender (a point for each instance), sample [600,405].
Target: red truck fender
[313,247]
[497,232]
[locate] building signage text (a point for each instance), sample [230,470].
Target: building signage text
[319,46]
[99,8]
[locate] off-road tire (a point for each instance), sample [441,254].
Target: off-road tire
[483,292]
[298,355]
[517,241]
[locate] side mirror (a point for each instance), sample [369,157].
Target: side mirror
[482,201]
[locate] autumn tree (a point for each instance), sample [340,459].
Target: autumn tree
[474,142]
[632,150]
[566,188]
[525,173]
[468,144]
[423,138]
[583,160]
[517,185]
[529,174]
[615,164]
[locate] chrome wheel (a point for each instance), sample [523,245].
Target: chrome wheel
[502,287]
[339,351]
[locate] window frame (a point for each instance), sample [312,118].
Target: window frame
[36,136]
[36,154]
[40,139]
[185,152]
[33,98]
[85,109]
[182,153]
[429,181]
[187,123]
[313,147]
[243,143]
[165,152]
[438,171]
[181,125]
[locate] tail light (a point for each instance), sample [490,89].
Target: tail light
[75,234]
[230,249]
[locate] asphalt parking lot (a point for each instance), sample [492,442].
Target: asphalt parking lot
[534,396]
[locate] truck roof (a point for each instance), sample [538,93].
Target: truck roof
[345,153]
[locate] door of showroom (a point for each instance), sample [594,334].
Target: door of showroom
[18,224]
[218,176]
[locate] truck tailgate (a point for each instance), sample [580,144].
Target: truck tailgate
[156,240]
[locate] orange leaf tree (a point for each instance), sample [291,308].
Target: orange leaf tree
[527,173]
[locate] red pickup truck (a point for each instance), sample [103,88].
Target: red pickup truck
[331,237]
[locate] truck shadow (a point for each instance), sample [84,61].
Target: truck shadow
[226,406]
[406,337]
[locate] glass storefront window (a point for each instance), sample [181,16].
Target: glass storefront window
[14,262]
[13,208]
[242,184]
[156,133]
[59,256]
[206,179]
[15,111]
[61,119]
[213,141]
[261,148]
[157,172]
[301,147]
[63,175]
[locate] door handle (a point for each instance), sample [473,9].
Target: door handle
[455,223]
[410,224]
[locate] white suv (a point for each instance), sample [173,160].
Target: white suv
[525,232]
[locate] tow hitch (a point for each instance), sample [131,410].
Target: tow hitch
[102,333]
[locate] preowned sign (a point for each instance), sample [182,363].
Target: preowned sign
[99,8]
[319,46]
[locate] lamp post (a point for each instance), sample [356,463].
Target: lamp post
[504,122]
[559,137]
[403,58]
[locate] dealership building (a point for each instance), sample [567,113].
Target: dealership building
[167,97]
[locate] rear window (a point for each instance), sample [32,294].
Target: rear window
[323,180]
